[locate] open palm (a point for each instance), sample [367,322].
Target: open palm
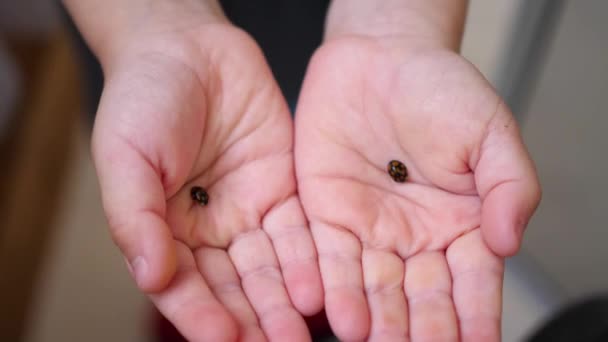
[420,259]
[199,107]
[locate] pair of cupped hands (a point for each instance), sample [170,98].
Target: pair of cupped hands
[302,213]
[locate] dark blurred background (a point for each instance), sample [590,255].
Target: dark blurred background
[61,279]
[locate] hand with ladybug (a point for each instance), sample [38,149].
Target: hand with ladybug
[193,145]
[420,259]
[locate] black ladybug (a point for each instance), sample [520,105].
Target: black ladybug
[397,171]
[199,195]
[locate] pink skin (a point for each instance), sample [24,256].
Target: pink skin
[199,106]
[421,260]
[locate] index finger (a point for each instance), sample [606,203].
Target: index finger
[477,276]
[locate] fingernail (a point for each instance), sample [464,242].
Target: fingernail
[138,267]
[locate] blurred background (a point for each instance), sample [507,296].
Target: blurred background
[62,279]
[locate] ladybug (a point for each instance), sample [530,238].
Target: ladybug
[397,171]
[199,195]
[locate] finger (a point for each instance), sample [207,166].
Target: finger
[383,274]
[218,271]
[428,287]
[287,228]
[477,275]
[507,183]
[254,259]
[134,202]
[189,304]
[341,271]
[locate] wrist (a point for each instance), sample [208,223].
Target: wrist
[430,23]
[114,28]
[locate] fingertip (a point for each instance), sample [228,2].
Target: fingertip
[206,323]
[500,237]
[305,288]
[161,270]
[285,325]
[152,261]
[220,327]
[348,314]
[151,279]
[505,215]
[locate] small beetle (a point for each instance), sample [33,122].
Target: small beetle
[397,171]
[199,195]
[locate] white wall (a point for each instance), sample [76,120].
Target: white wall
[487,33]
[566,131]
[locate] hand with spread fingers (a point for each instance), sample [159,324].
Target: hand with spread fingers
[416,184]
[193,145]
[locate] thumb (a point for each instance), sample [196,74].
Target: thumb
[506,180]
[134,202]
